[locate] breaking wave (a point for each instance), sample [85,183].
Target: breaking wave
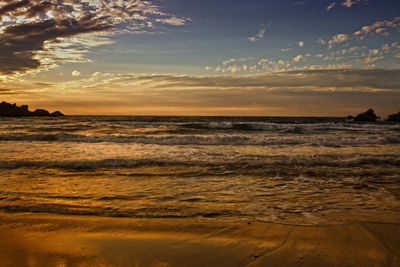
[245,162]
[215,139]
[283,127]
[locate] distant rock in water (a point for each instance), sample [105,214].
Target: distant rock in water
[368,116]
[394,117]
[12,110]
[56,114]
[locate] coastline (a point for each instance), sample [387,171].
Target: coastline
[64,240]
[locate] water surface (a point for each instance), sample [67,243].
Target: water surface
[287,170]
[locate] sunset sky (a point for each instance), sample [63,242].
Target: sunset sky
[201,57]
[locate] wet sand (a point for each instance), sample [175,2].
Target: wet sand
[58,240]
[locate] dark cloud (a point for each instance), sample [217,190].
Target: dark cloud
[19,43]
[37,9]
[31,26]
[5,91]
[13,6]
[43,84]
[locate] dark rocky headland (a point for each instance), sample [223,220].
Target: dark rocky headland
[12,110]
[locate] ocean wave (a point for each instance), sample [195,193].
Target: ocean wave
[220,125]
[220,166]
[214,139]
[286,127]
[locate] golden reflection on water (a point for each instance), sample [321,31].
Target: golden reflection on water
[270,192]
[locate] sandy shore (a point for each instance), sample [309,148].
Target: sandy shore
[51,240]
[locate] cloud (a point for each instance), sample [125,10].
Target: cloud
[377,28]
[298,58]
[356,56]
[252,64]
[301,58]
[12,6]
[321,41]
[346,3]
[34,33]
[286,49]
[233,65]
[232,60]
[350,3]
[6,91]
[339,38]
[393,47]
[259,36]
[174,21]
[318,79]
[76,73]
[301,44]
[328,8]
[18,43]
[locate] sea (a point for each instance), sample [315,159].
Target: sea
[289,170]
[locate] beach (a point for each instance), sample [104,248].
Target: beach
[59,240]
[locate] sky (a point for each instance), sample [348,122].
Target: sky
[208,57]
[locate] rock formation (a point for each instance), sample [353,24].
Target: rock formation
[12,110]
[368,116]
[394,117]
